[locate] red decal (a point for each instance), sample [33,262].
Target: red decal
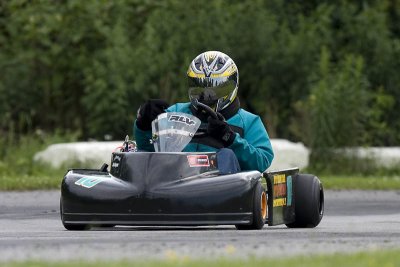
[279,190]
[198,161]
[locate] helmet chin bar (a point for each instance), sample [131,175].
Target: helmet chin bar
[209,97]
[196,100]
[216,105]
[221,104]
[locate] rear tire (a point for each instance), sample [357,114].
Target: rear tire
[259,210]
[308,201]
[68,226]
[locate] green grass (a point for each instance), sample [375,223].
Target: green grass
[369,259]
[51,179]
[361,182]
[18,171]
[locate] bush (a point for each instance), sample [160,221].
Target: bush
[337,108]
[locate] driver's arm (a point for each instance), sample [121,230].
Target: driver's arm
[142,126]
[142,139]
[253,150]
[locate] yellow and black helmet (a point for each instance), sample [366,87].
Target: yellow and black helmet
[213,79]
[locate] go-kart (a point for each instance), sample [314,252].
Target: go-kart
[173,188]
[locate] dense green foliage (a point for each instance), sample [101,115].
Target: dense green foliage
[321,72]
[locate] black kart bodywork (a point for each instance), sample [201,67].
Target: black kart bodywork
[166,188]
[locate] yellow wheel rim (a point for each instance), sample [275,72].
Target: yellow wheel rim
[264,205]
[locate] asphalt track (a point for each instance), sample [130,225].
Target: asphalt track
[30,229]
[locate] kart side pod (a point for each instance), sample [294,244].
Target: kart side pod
[294,199]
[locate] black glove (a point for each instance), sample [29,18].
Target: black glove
[220,130]
[148,112]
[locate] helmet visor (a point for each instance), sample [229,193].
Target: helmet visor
[209,90]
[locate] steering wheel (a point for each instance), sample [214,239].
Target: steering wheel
[202,132]
[209,110]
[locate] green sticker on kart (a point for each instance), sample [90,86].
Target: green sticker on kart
[289,190]
[89,182]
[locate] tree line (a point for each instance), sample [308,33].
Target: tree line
[322,72]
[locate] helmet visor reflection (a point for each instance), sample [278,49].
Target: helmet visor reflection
[211,89]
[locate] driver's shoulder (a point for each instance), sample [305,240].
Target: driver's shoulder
[180,107]
[245,116]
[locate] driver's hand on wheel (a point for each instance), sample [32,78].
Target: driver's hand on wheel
[149,111]
[220,130]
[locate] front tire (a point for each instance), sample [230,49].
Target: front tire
[308,200]
[259,210]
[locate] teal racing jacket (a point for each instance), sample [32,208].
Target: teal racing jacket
[253,150]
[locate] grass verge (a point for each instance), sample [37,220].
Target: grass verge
[370,259]
[361,182]
[51,179]
[18,170]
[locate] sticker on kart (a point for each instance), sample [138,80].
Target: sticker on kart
[282,190]
[91,181]
[198,161]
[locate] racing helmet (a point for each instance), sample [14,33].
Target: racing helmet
[213,80]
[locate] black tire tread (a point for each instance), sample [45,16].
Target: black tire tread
[308,192]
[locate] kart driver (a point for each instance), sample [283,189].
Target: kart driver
[214,80]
